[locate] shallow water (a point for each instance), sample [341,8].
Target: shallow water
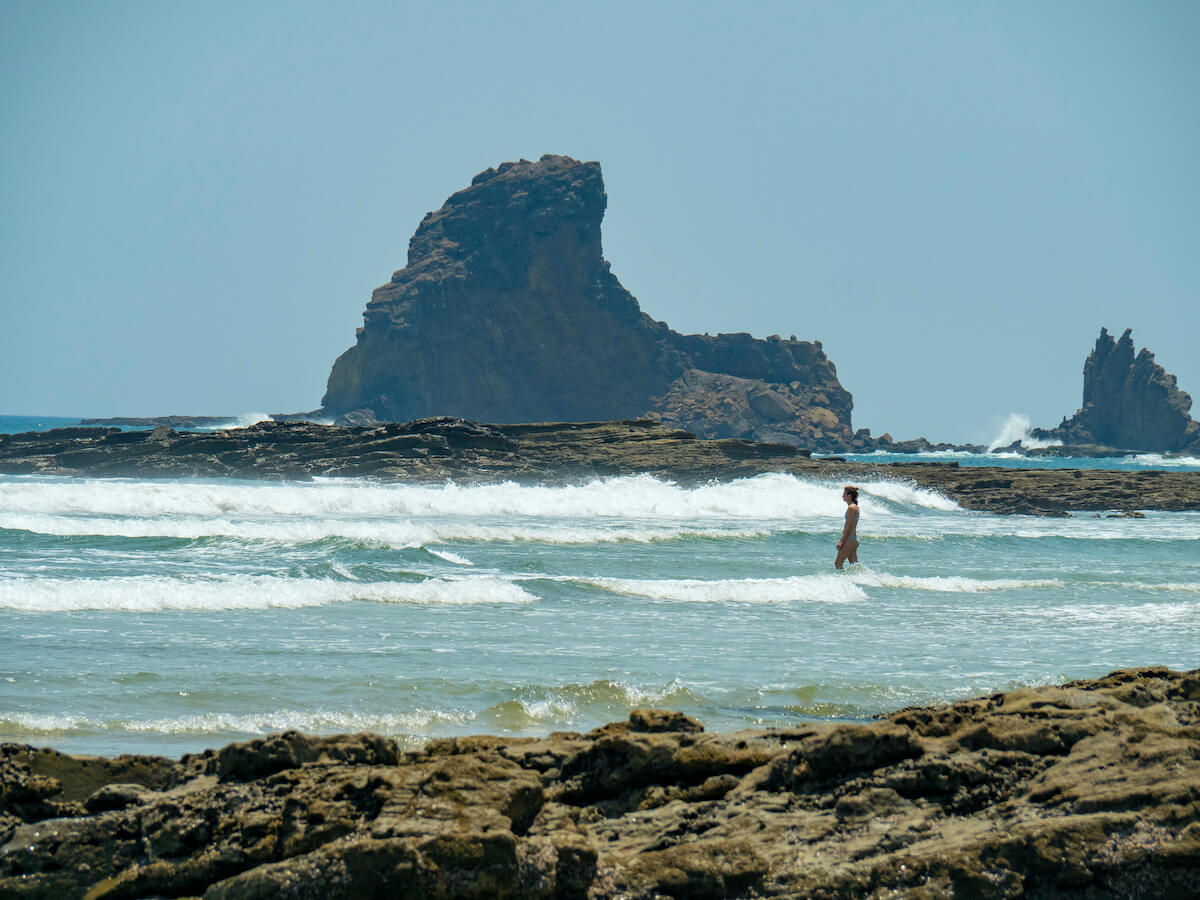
[169,616]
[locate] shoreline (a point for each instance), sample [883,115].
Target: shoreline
[1084,787]
[437,450]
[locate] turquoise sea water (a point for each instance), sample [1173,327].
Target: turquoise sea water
[18,424]
[1008,459]
[169,616]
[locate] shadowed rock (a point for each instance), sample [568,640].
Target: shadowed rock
[507,311]
[1089,789]
[1129,402]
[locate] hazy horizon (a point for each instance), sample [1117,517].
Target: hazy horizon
[952,198]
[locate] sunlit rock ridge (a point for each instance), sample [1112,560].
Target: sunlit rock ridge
[508,312]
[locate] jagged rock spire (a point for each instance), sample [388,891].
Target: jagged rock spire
[1129,401]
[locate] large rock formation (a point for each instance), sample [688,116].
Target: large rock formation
[1084,790]
[1129,402]
[508,312]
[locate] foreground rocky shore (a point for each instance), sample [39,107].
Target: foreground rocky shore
[1090,789]
[433,450]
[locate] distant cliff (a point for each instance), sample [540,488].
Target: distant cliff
[508,312]
[1129,402]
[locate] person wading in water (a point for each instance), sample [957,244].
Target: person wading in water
[847,547]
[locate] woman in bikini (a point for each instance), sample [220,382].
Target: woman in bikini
[847,547]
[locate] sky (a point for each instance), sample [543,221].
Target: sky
[198,198]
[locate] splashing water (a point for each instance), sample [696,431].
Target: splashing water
[1017,427]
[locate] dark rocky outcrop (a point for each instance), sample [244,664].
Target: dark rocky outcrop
[507,311]
[182,422]
[1129,402]
[863,442]
[1089,789]
[433,450]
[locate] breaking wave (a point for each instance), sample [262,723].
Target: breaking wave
[229,724]
[635,508]
[845,587]
[150,593]
[771,496]
[799,588]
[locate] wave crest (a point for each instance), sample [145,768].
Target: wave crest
[152,593]
[637,497]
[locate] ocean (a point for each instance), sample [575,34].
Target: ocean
[168,616]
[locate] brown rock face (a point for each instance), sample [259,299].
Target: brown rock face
[1130,402]
[1084,790]
[508,312]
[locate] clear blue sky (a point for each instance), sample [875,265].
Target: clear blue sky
[198,198]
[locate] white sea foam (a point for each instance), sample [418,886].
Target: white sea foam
[450,557]
[1158,461]
[636,508]
[519,713]
[541,704]
[826,588]
[796,589]
[149,593]
[1183,587]
[764,497]
[1155,527]
[416,721]
[907,495]
[532,705]
[17,724]
[884,519]
[956,584]
[404,533]
[1017,427]
[1176,613]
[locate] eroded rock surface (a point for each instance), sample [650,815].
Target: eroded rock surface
[1091,789]
[507,311]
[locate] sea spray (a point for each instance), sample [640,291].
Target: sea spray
[243,421]
[1018,429]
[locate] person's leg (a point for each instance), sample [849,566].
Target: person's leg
[852,557]
[843,552]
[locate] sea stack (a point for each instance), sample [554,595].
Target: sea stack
[508,312]
[1129,402]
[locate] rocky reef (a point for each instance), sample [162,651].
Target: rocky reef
[1129,402]
[1089,789]
[185,422]
[507,311]
[434,450]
